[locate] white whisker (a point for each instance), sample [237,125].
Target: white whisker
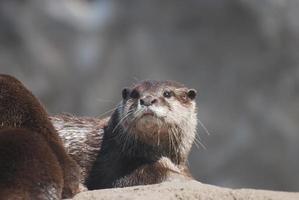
[109,111]
[204,127]
[198,142]
[122,119]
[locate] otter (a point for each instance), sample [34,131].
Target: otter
[82,138]
[33,161]
[146,140]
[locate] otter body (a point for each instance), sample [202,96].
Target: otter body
[82,138]
[33,161]
[29,168]
[146,140]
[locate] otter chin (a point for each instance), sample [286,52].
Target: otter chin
[147,123]
[148,137]
[149,128]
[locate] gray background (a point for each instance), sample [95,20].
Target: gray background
[241,56]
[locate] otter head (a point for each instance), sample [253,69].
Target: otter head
[18,107]
[160,113]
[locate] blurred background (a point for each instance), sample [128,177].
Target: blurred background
[241,56]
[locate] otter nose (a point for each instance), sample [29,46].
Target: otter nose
[147,101]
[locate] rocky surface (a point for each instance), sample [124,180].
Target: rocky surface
[190,190]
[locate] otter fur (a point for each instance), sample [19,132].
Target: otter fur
[33,161]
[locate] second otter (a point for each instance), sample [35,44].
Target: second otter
[33,161]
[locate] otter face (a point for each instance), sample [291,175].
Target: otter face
[154,111]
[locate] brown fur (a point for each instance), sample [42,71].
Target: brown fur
[82,138]
[29,169]
[20,109]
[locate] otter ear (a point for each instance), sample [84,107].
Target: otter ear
[191,94]
[125,93]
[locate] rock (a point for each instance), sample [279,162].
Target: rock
[189,190]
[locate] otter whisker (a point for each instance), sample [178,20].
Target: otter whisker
[128,129]
[175,138]
[169,143]
[204,127]
[197,142]
[173,147]
[109,111]
[125,139]
[122,119]
[135,117]
[159,130]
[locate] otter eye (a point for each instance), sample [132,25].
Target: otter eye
[167,94]
[135,94]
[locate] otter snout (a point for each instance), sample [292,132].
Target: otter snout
[148,100]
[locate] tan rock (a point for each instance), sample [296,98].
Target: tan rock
[189,190]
